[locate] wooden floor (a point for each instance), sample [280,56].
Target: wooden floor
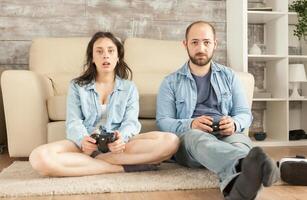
[272,193]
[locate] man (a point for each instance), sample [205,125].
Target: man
[203,93]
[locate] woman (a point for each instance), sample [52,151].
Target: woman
[103,97]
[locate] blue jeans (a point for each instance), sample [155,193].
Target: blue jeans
[201,149]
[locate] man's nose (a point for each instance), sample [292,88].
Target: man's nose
[202,47]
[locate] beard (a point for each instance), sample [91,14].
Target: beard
[200,61]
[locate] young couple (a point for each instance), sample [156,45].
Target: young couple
[189,101]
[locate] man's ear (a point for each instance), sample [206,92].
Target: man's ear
[185,43]
[215,44]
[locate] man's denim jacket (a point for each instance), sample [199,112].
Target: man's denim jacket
[84,110]
[177,98]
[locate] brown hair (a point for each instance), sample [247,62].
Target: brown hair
[121,69]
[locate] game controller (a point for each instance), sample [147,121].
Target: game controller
[103,139]
[216,130]
[215,126]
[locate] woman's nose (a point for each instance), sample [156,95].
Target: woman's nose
[105,55]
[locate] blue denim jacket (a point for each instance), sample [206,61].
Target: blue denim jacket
[84,111]
[177,98]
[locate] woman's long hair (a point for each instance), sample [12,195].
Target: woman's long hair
[121,69]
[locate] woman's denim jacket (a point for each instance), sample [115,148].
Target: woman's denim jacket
[84,110]
[177,98]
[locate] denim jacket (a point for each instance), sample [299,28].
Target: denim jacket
[84,110]
[176,100]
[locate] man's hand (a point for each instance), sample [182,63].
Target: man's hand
[88,145]
[118,146]
[227,125]
[202,123]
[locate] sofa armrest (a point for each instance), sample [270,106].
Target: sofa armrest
[24,99]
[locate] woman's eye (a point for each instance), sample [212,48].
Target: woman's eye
[111,51]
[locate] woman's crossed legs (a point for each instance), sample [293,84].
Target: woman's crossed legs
[64,158]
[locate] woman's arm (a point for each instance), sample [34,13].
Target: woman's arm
[130,125]
[75,130]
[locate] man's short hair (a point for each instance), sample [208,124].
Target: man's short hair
[198,22]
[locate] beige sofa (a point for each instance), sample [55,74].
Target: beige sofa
[35,100]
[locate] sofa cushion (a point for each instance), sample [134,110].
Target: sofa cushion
[149,67]
[148,92]
[147,106]
[57,107]
[154,56]
[60,82]
[57,55]
[148,125]
[56,131]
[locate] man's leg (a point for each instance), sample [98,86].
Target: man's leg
[240,141]
[216,155]
[64,158]
[145,148]
[257,169]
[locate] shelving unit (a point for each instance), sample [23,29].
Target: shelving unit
[281,113]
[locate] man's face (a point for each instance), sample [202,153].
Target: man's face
[200,44]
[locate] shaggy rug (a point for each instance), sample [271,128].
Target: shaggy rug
[19,179]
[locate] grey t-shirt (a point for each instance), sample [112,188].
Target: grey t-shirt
[206,98]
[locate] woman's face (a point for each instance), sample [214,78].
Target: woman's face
[105,55]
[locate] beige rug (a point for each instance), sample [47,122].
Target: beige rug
[20,180]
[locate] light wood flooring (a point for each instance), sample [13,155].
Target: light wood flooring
[271,193]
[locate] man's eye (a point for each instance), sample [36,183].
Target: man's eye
[194,43]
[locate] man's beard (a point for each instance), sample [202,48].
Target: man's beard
[200,61]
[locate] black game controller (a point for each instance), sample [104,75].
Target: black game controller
[216,130]
[215,126]
[103,139]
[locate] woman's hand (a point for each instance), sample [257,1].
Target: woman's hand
[118,146]
[88,145]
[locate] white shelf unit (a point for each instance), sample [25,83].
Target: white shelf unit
[297,107]
[280,116]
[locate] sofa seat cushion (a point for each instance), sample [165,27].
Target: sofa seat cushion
[147,106]
[56,131]
[148,125]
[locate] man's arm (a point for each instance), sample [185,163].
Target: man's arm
[166,111]
[240,112]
